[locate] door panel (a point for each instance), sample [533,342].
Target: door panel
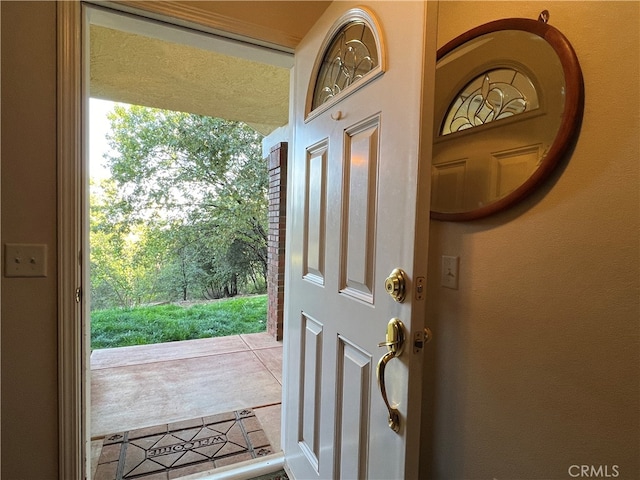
[361,144]
[311,361]
[315,213]
[352,409]
[356,191]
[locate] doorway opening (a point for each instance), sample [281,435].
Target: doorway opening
[165,385]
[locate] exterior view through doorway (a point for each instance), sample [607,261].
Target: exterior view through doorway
[135,387]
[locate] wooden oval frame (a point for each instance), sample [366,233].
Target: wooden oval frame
[571,116]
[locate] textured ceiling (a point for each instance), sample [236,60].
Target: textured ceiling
[147,71]
[129,67]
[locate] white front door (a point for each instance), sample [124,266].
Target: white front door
[358,208]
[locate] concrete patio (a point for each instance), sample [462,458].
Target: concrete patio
[148,385]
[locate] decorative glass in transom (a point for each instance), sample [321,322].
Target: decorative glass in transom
[491,96]
[350,56]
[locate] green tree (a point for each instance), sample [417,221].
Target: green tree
[197,187]
[125,259]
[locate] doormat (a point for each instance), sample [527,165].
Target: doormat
[173,450]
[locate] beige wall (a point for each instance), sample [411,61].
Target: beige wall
[536,354]
[535,358]
[29,328]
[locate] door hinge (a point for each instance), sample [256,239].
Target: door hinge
[78,295]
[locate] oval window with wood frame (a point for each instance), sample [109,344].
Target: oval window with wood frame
[509,101]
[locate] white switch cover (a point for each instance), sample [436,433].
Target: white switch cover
[449,272]
[25,260]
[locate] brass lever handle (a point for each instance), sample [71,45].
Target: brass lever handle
[395,345]
[394,415]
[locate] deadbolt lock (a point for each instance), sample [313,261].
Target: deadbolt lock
[396,285]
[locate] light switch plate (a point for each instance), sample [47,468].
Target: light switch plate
[449,272]
[25,260]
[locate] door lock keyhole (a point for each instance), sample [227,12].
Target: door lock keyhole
[396,285]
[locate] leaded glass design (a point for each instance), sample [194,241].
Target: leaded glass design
[351,55]
[491,96]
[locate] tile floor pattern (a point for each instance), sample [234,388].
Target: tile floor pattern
[177,449]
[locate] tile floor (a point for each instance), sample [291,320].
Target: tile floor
[148,385]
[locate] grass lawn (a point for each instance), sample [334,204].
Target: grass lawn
[168,323]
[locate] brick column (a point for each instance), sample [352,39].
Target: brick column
[276,242]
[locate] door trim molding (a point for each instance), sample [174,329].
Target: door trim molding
[222,24]
[71,414]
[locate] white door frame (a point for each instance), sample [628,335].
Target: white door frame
[73,335]
[71,351]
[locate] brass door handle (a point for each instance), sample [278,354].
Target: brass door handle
[395,344]
[394,415]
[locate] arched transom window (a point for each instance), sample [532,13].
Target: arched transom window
[491,96]
[351,53]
